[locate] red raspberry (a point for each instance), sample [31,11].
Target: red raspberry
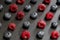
[54,35]
[20,15]
[47,1]
[25,34]
[13,7]
[12,26]
[41,24]
[49,15]
[20,1]
[41,7]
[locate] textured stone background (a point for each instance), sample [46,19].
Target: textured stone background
[32,29]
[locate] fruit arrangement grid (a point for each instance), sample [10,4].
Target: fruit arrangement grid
[29,19]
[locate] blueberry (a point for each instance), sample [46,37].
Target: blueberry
[33,1]
[0,24]
[8,1]
[7,16]
[54,8]
[26,24]
[27,8]
[59,17]
[33,15]
[54,25]
[58,2]
[40,34]
[1,7]
[7,35]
